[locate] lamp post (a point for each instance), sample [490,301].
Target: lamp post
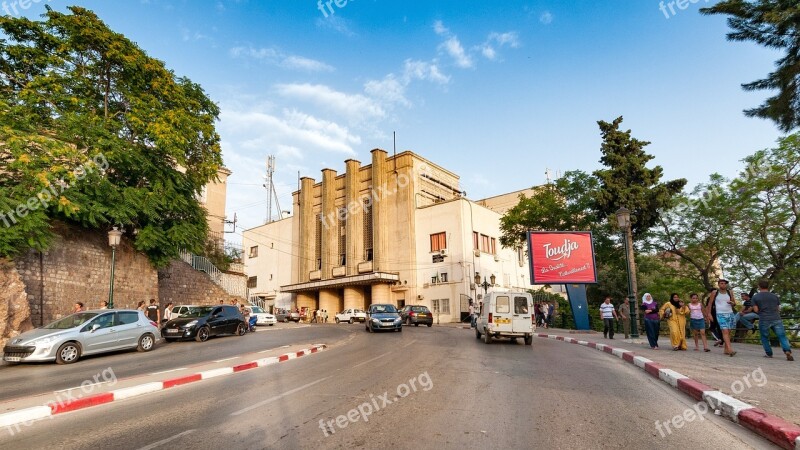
[114,237]
[624,222]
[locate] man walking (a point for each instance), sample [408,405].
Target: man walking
[625,317]
[153,312]
[767,306]
[608,314]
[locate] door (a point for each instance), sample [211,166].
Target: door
[129,328]
[523,306]
[502,314]
[217,322]
[102,338]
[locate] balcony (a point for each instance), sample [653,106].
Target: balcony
[365,267]
[338,271]
[315,275]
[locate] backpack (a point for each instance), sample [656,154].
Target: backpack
[668,312]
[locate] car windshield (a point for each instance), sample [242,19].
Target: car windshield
[198,311]
[377,309]
[257,310]
[71,321]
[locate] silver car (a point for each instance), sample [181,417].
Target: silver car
[84,333]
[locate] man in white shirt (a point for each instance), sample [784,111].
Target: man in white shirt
[608,313]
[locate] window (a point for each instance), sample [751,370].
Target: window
[128,317]
[520,305]
[318,243]
[475,240]
[438,242]
[494,247]
[443,277]
[441,305]
[520,256]
[367,225]
[253,251]
[252,282]
[485,243]
[342,236]
[502,304]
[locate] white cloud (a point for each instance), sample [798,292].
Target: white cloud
[488,52]
[422,70]
[440,29]
[278,58]
[510,38]
[336,24]
[453,48]
[356,108]
[546,18]
[389,90]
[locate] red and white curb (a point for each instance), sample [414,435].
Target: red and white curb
[28,415]
[779,431]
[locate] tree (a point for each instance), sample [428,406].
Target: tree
[86,113]
[628,182]
[774,24]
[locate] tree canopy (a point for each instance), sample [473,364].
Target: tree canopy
[774,24]
[95,132]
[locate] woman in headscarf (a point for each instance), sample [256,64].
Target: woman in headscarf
[676,319]
[652,323]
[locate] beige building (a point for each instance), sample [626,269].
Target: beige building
[213,198]
[395,231]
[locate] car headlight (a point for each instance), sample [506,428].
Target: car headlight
[398,319]
[376,320]
[190,324]
[42,342]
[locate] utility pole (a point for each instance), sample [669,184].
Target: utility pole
[269,185]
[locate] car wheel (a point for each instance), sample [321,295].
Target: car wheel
[336,320]
[477,333]
[486,337]
[202,334]
[400,329]
[416,324]
[528,340]
[241,330]
[146,343]
[351,321]
[430,324]
[68,353]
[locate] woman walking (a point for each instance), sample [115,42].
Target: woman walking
[697,322]
[652,324]
[724,301]
[675,313]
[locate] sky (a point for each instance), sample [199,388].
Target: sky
[497,92]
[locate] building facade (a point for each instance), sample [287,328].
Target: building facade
[398,230]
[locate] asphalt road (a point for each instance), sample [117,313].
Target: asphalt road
[23,380]
[464,394]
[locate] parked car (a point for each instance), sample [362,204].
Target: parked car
[202,322]
[262,317]
[383,317]
[351,315]
[285,315]
[85,333]
[416,314]
[506,314]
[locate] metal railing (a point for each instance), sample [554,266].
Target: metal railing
[228,284]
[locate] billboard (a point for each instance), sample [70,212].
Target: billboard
[561,257]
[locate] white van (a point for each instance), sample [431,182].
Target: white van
[506,314]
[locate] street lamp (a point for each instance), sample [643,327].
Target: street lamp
[114,237]
[624,222]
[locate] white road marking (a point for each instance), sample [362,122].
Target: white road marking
[409,343]
[82,387]
[168,371]
[270,400]
[167,440]
[369,361]
[226,359]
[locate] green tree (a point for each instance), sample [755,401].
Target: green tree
[774,24]
[628,182]
[125,141]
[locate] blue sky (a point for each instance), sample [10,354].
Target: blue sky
[494,91]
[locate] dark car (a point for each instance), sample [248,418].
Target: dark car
[284,315]
[416,314]
[202,322]
[383,317]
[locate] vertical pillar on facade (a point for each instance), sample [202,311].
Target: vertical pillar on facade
[354,298]
[380,241]
[353,227]
[306,300]
[381,293]
[307,229]
[329,301]
[330,224]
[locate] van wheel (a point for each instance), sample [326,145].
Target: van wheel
[430,324]
[486,337]
[528,340]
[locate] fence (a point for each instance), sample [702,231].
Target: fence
[232,285]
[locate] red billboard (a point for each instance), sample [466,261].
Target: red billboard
[561,257]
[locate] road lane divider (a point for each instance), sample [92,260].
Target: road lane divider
[775,429]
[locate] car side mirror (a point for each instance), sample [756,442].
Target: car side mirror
[95,327]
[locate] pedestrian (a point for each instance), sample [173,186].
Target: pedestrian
[168,312]
[747,314]
[767,306]
[724,300]
[153,312]
[607,315]
[140,306]
[551,312]
[471,315]
[104,304]
[713,325]
[314,316]
[674,311]
[324,316]
[246,314]
[652,324]
[544,315]
[697,322]
[222,302]
[78,307]
[625,317]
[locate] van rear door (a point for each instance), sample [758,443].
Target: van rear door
[502,317]
[522,305]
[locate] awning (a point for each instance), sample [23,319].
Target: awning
[366,279]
